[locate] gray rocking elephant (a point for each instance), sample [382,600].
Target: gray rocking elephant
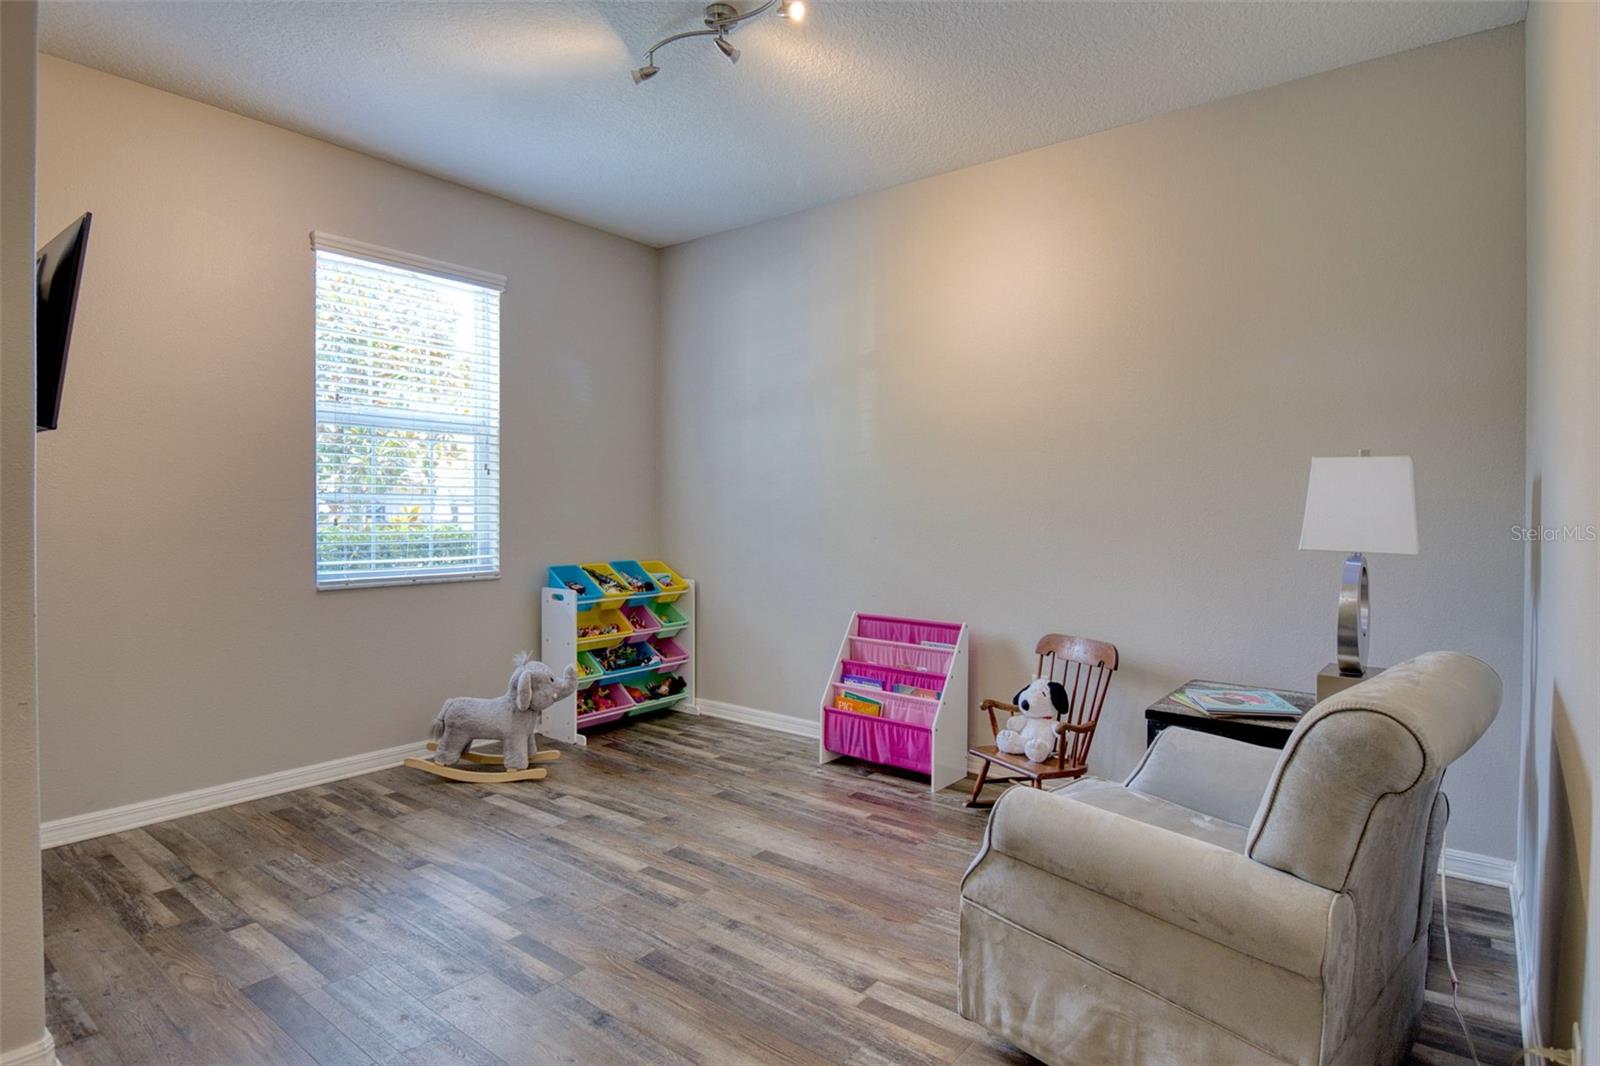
[512,719]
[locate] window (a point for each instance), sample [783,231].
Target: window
[408,418]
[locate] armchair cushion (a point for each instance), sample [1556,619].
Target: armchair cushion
[1191,883]
[1156,811]
[1218,776]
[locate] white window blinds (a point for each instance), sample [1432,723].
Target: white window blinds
[408,418]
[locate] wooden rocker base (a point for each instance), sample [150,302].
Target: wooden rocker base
[485,758]
[484,777]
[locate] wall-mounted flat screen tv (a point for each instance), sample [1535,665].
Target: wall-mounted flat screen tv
[60,268]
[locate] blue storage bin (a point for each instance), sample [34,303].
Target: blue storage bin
[631,570]
[573,578]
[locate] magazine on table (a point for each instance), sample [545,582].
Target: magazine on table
[1240,703]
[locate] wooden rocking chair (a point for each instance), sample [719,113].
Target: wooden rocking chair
[1084,668]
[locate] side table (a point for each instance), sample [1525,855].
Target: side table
[1267,732]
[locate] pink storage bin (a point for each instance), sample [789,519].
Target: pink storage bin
[878,740]
[889,676]
[911,709]
[901,656]
[624,705]
[643,621]
[906,630]
[671,652]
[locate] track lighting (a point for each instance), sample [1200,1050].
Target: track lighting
[720,20]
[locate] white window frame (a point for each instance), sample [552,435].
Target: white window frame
[351,414]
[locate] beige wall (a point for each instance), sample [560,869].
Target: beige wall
[182,643]
[21,936]
[1078,389]
[1561,746]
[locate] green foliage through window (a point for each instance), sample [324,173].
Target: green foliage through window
[407,445]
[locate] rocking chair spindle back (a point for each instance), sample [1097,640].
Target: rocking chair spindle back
[1084,668]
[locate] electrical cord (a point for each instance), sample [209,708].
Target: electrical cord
[1450,964]
[1559,1056]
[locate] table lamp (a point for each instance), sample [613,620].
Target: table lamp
[1358,504]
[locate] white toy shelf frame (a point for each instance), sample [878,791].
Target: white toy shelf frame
[561,611]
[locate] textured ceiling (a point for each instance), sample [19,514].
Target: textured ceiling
[532,101]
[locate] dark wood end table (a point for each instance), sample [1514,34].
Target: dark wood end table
[1267,732]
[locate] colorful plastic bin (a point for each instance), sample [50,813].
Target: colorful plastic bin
[564,577]
[630,672]
[672,653]
[651,705]
[602,616]
[671,619]
[668,580]
[588,670]
[609,597]
[644,621]
[631,568]
[624,705]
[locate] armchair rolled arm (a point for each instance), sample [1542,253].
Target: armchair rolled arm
[998,705]
[1204,888]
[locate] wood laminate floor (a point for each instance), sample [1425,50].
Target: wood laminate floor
[684,890]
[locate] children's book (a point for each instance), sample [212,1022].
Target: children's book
[913,690]
[1242,702]
[850,701]
[1183,698]
[937,644]
[862,682]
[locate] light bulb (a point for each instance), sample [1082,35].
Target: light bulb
[793,10]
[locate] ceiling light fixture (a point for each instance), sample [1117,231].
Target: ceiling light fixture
[720,20]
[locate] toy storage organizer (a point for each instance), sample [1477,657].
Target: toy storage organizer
[626,624]
[923,727]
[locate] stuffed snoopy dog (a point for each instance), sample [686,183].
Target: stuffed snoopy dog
[1033,732]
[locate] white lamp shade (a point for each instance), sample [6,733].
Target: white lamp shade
[1361,504]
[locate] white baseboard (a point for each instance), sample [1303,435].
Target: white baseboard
[778,723]
[1523,933]
[42,1052]
[145,812]
[1484,869]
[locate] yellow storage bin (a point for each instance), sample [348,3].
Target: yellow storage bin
[671,584]
[602,627]
[614,591]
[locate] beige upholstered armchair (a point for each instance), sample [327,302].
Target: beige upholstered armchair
[1229,903]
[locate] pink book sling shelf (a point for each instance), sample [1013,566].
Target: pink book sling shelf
[915,669]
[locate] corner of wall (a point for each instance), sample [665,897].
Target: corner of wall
[23,1039]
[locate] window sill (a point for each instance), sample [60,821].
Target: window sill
[390,580]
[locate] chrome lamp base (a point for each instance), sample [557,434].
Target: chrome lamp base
[1355,617]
